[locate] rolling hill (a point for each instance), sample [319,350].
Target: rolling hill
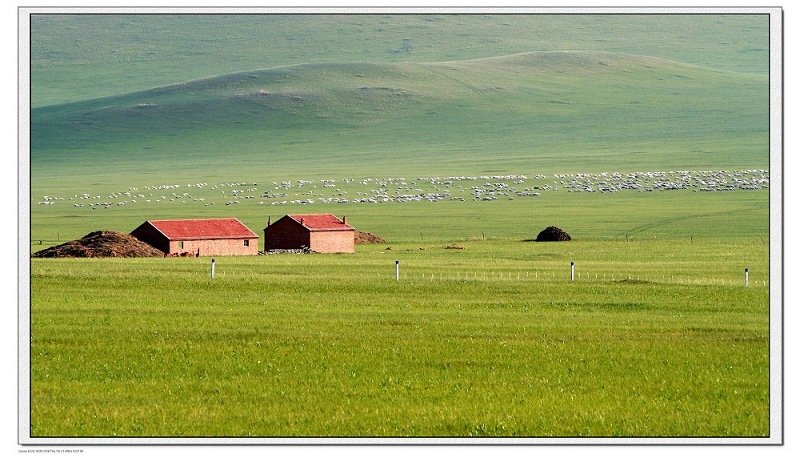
[85,56]
[534,111]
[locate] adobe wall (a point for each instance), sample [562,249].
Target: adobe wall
[222,247]
[333,242]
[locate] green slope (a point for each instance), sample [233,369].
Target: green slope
[528,112]
[82,56]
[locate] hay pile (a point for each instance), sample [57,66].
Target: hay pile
[366,237]
[102,244]
[553,234]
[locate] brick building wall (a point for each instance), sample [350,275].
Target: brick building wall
[219,247]
[333,242]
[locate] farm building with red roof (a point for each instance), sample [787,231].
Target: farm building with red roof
[199,237]
[322,233]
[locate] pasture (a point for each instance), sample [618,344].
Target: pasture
[657,336]
[604,206]
[492,341]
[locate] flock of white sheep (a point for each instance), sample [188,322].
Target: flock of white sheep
[427,189]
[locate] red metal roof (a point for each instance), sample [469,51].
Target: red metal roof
[322,222]
[196,229]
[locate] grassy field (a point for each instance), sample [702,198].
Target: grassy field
[669,215]
[493,340]
[429,131]
[657,336]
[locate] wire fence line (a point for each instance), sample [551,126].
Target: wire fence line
[454,275]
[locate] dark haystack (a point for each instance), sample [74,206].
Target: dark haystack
[102,244]
[366,237]
[553,234]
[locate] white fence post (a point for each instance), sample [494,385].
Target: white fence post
[212,268]
[746,277]
[397,270]
[571,271]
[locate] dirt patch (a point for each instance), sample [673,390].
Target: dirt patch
[102,244]
[367,237]
[553,234]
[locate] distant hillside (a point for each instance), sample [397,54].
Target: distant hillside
[84,56]
[529,110]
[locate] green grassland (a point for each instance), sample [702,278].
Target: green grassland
[492,340]
[78,56]
[669,215]
[656,337]
[520,94]
[527,113]
[146,117]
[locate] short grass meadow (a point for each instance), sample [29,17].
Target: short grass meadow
[491,340]
[484,333]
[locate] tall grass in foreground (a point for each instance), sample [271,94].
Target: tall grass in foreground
[320,346]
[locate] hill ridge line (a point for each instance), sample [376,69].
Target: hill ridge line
[420,64]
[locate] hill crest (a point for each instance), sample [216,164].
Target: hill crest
[519,106]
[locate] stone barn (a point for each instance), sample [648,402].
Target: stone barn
[323,233]
[199,237]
